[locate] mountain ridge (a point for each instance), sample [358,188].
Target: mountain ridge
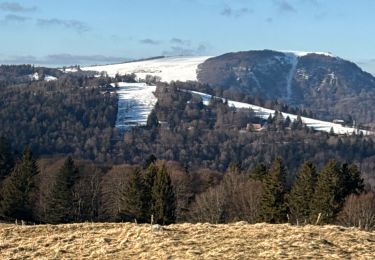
[329,86]
[315,81]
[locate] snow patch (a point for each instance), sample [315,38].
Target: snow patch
[309,122]
[69,69]
[293,59]
[304,53]
[34,76]
[37,77]
[49,78]
[167,69]
[136,101]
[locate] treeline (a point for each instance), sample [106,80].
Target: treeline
[18,74]
[62,190]
[241,96]
[66,191]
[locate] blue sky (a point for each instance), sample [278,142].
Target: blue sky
[65,32]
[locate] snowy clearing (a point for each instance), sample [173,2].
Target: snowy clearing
[49,78]
[136,101]
[168,69]
[265,112]
[36,76]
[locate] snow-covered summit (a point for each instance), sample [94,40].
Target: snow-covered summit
[168,69]
[305,53]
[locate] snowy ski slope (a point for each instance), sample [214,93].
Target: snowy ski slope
[168,69]
[136,101]
[265,112]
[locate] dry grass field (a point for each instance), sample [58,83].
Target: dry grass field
[184,241]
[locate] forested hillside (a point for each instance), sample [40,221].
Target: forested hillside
[329,86]
[62,160]
[76,115]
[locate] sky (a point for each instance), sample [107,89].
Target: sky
[87,32]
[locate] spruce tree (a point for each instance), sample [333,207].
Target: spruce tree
[133,208]
[163,198]
[272,205]
[353,183]
[300,196]
[150,160]
[327,199]
[152,120]
[259,172]
[148,183]
[19,190]
[60,206]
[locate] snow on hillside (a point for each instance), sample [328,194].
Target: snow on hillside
[304,53]
[49,78]
[265,112]
[168,69]
[36,76]
[136,101]
[69,69]
[293,59]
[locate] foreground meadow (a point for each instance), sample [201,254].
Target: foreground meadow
[184,241]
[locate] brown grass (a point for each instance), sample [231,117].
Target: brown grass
[184,241]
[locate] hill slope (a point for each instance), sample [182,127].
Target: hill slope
[167,69]
[184,241]
[330,86]
[264,113]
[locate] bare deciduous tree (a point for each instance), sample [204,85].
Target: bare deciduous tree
[359,211]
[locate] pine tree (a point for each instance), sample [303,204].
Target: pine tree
[327,199]
[152,120]
[148,183]
[60,206]
[133,198]
[272,205]
[150,160]
[300,196]
[353,183]
[163,198]
[259,172]
[18,191]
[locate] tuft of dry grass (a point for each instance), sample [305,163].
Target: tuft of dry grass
[184,241]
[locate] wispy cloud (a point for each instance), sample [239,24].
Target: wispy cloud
[81,59]
[13,18]
[62,59]
[149,41]
[231,12]
[179,41]
[26,59]
[16,7]
[186,51]
[76,25]
[285,6]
